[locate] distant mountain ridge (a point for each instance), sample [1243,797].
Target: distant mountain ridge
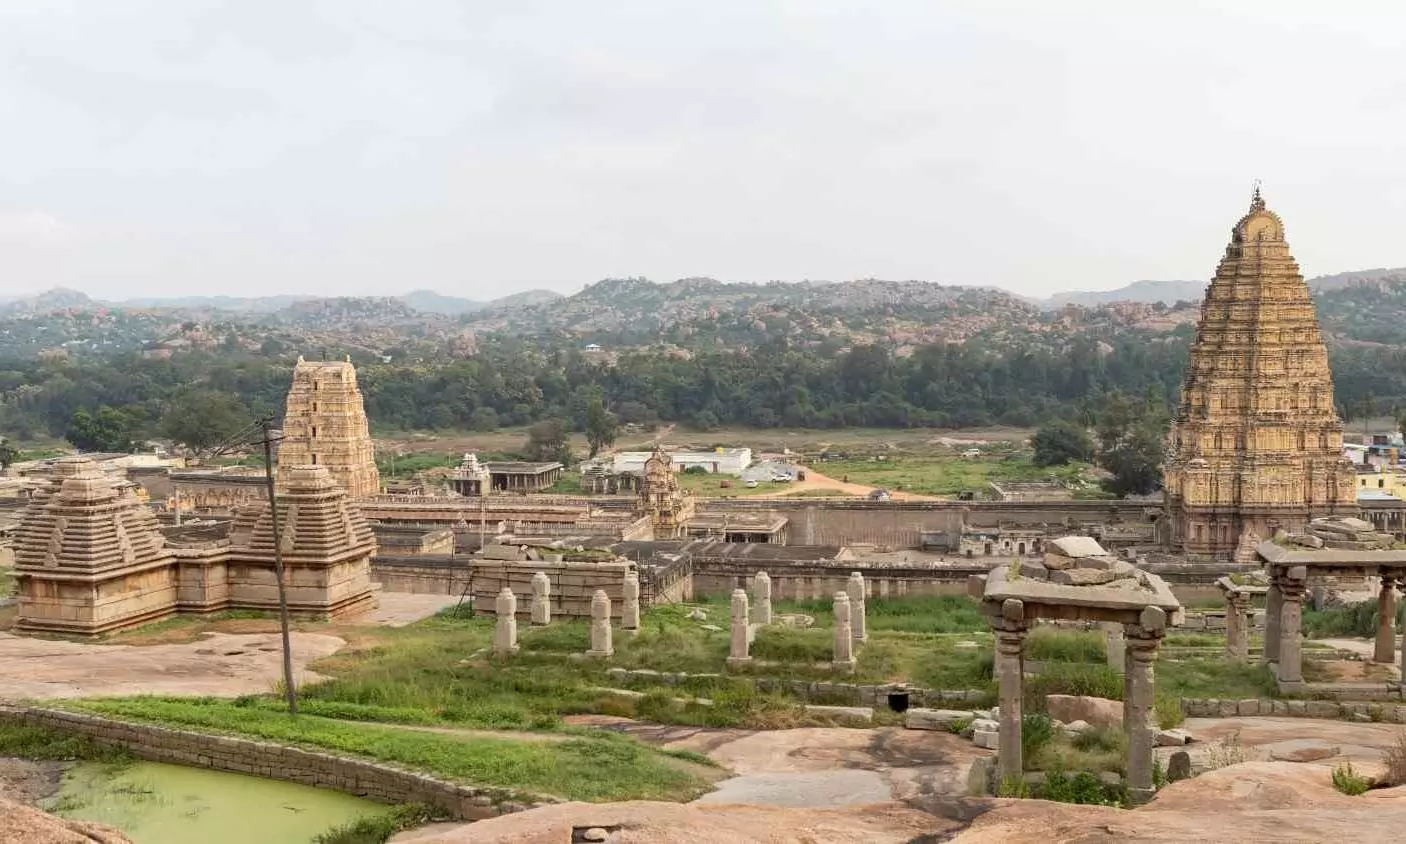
[422,301]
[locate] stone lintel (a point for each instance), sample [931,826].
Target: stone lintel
[1000,588]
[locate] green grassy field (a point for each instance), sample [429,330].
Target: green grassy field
[946,474]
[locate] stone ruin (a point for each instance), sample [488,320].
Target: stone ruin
[1346,534]
[90,559]
[1078,581]
[1240,591]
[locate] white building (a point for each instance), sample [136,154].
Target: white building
[723,461]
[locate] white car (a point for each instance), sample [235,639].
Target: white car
[780,478]
[750,484]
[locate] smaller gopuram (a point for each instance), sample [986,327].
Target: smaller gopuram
[326,543]
[668,507]
[471,479]
[89,556]
[325,425]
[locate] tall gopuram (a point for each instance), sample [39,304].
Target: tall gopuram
[1256,444]
[325,425]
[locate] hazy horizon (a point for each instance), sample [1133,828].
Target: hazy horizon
[167,148]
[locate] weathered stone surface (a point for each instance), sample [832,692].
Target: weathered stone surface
[1321,708]
[1308,751]
[853,713]
[24,824]
[933,719]
[1098,711]
[979,776]
[1248,706]
[1076,727]
[1083,577]
[1178,766]
[1306,540]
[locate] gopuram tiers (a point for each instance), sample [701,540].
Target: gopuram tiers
[325,425]
[1256,444]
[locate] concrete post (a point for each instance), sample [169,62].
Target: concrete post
[761,591]
[1139,708]
[1113,644]
[1010,633]
[740,634]
[844,635]
[630,609]
[1386,618]
[1274,607]
[541,600]
[855,587]
[601,645]
[1291,589]
[1237,622]
[505,627]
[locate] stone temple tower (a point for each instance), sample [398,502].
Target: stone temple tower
[325,425]
[1256,444]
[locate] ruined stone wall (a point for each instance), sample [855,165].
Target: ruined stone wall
[361,777]
[421,575]
[573,584]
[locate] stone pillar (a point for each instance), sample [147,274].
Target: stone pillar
[1386,618]
[1237,624]
[844,635]
[855,587]
[1274,606]
[505,627]
[630,609]
[1010,632]
[1113,644]
[740,634]
[761,591]
[541,599]
[1139,705]
[600,626]
[1291,589]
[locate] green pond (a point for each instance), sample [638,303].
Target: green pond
[155,803]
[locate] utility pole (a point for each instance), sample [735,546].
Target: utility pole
[290,692]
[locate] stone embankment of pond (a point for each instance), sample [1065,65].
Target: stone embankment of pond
[363,777]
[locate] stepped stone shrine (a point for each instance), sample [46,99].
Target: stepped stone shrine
[91,559]
[325,425]
[1256,445]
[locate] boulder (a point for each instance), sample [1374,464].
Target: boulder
[1173,738]
[1179,766]
[979,776]
[1097,711]
[933,719]
[1076,727]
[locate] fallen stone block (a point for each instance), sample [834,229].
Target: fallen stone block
[1083,577]
[1248,706]
[1076,727]
[1101,712]
[933,719]
[853,713]
[1173,738]
[1179,766]
[979,776]
[985,725]
[989,739]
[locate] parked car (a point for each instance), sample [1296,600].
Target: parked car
[750,484]
[781,478]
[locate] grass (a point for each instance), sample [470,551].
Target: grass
[1047,644]
[379,828]
[1351,621]
[602,767]
[7,582]
[52,745]
[946,474]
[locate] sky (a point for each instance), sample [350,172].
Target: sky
[368,147]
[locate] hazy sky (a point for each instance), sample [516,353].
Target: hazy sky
[166,147]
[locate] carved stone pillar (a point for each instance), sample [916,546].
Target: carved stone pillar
[857,599]
[844,635]
[505,626]
[741,638]
[1292,586]
[1237,624]
[1139,700]
[602,645]
[1010,632]
[630,608]
[1386,616]
[1113,644]
[761,591]
[541,599]
[1274,604]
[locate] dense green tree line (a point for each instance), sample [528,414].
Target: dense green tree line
[197,398]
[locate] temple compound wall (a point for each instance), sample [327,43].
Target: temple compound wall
[91,559]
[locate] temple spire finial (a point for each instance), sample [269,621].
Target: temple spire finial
[1256,200]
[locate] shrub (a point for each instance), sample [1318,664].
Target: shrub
[1036,731]
[1048,645]
[1101,739]
[1167,708]
[1013,787]
[1395,760]
[1349,782]
[1061,678]
[1225,752]
[378,829]
[1083,787]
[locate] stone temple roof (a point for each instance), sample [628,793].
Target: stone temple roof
[1093,579]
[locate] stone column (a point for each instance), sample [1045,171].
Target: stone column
[505,627]
[1386,618]
[1139,707]
[844,635]
[541,599]
[630,610]
[761,591]
[1237,623]
[600,626]
[740,634]
[1291,589]
[1113,644]
[1274,606]
[855,586]
[1010,632]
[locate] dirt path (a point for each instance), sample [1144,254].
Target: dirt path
[817,482]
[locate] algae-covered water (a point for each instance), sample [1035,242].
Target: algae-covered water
[155,803]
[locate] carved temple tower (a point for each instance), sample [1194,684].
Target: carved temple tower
[1256,444]
[667,505]
[325,425]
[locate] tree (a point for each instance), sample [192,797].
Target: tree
[1059,443]
[8,454]
[1136,462]
[483,419]
[202,419]
[600,426]
[107,430]
[547,442]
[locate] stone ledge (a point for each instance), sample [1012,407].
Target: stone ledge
[853,694]
[382,781]
[1260,707]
